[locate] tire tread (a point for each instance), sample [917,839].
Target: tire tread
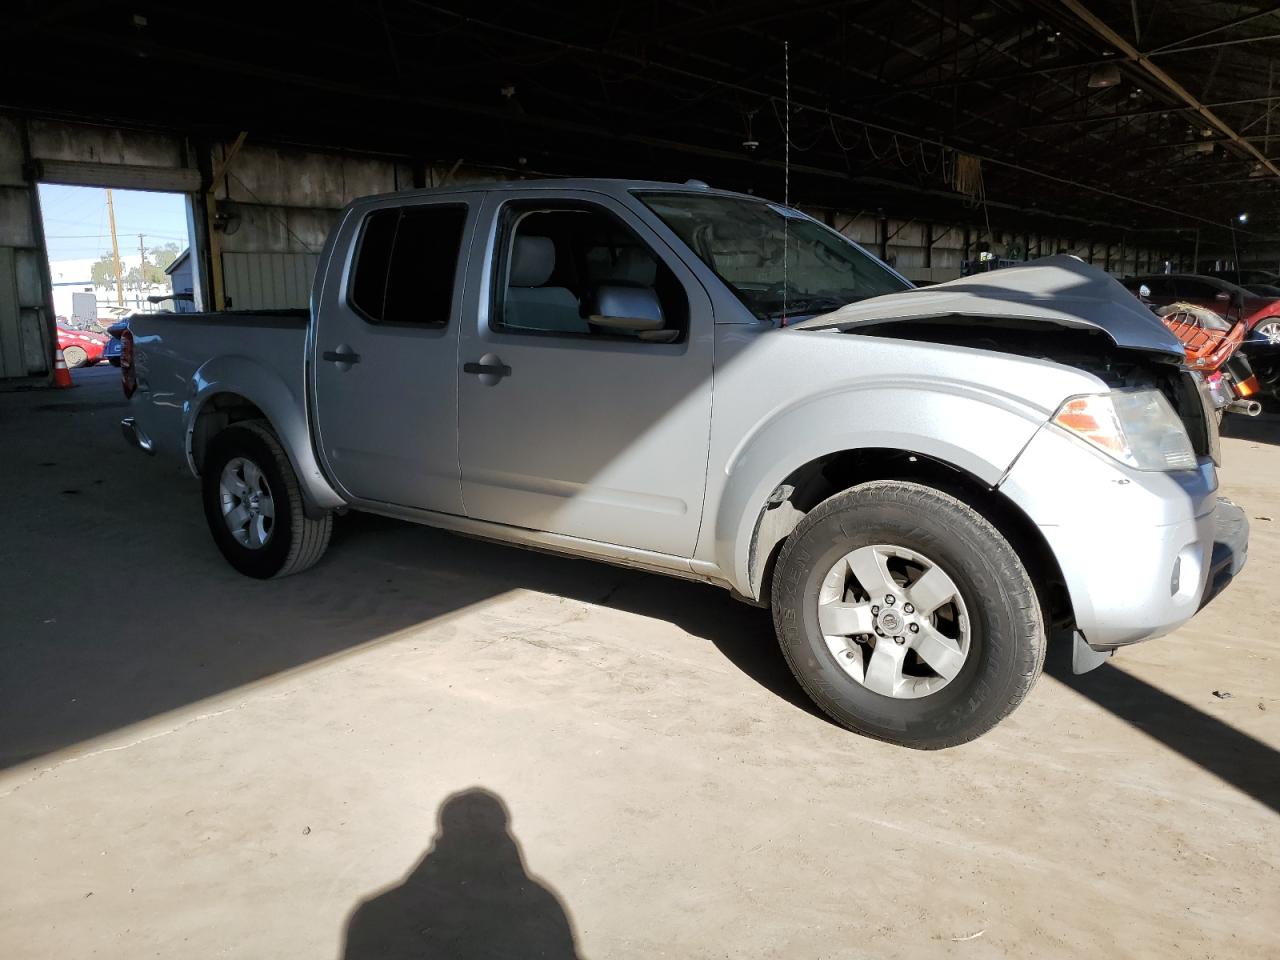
[310,538]
[1030,645]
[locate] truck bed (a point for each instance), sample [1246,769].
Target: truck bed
[177,355]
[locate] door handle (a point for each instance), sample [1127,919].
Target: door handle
[489,368]
[343,354]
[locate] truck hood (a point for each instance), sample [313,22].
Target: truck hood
[1062,291]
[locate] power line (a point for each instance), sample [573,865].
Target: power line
[98,236]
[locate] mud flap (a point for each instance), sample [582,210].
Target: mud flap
[1083,657]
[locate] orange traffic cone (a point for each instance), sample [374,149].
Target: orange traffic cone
[61,375]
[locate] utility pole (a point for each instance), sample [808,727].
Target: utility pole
[142,271]
[115,250]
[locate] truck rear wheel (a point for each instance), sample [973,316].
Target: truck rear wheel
[907,616]
[253,504]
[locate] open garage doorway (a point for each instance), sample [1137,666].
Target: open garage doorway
[113,253]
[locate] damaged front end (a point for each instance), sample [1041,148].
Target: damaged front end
[1058,309]
[1139,544]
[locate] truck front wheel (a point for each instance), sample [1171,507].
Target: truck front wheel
[907,616]
[253,504]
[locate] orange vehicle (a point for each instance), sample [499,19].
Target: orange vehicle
[1208,338]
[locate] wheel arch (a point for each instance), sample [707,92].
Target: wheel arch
[217,412]
[232,389]
[823,477]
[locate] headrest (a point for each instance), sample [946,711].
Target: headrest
[635,266]
[532,261]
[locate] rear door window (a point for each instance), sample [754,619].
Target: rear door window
[406,265]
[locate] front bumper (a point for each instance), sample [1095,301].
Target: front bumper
[1230,548]
[1140,552]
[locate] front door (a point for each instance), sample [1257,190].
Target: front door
[585,387]
[385,353]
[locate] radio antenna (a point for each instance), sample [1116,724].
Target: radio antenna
[786,170]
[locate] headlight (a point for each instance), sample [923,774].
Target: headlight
[1137,427]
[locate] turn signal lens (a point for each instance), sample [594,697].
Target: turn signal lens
[1139,428]
[1094,419]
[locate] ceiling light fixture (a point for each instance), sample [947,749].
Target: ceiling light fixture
[1106,75]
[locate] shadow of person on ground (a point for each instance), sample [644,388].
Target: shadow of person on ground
[468,897]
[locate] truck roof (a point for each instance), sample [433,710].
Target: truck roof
[613,187]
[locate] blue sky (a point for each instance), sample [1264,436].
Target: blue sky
[75,220]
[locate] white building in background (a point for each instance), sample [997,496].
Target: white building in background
[75,276]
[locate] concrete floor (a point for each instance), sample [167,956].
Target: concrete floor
[428,746]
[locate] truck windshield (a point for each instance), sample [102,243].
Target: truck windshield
[742,241]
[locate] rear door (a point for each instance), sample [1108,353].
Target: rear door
[570,423]
[385,346]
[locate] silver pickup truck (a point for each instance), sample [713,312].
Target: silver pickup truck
[923,485]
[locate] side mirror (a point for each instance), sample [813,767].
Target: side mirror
[633,309]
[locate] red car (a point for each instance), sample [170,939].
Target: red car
[79,347]
[1231,302]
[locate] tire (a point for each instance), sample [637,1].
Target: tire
[1270,328]
[993,663]
[291,542]
[114,361]
[74,357]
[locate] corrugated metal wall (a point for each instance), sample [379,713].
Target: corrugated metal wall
[281,203]
[268,281]
[24,315]
[277,204]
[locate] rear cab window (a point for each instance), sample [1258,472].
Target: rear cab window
[406,264]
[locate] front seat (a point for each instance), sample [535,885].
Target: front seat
[531,306]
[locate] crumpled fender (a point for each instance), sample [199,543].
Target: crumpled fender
[284,409]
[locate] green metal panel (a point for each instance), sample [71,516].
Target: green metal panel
[12,361]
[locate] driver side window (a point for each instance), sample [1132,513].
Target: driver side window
[577,271]
[1196,289]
